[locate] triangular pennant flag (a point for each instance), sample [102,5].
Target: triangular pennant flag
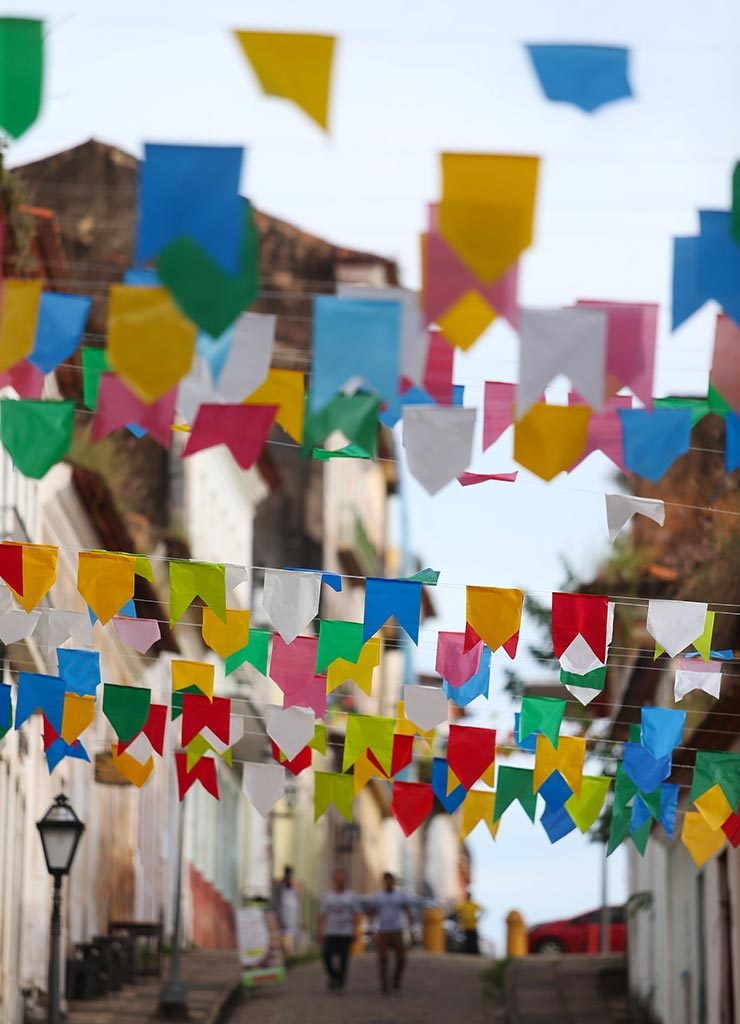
[556,822]
[264,784]
[403,754]
[425,706]
[189,580]
[204,772]
[662,730]
[338,640]
[621,507]
[36,433]
[585,809]
[135,771]
[713,807]
[295,66]
[369,732]
[78,714]
[411,804]
[542,715]
[18,325]
[255,653]
[470,751]
[333,790]
[11,566]
[710,768]
[405,728]
[476,686]
[37,691]
[17,625]
[588,77]
[550,438]
[105,581]
[285,389]
[478,806]
[697,675]
[492,614]
[200,712]
[438,441]
[654,439]
[292,665]
[290,728]
[243,429]
[675,624]
[585,615]
[384,598]
[312,695]
[226,638]
[568,759]
[359,672]
[291,600]
[118,407]
[192,675]
[645,771]
[700,840]
[126,708]
[515,784]
[140,634]
[39,573]
[453,798]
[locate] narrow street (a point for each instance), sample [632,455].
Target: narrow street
[448,988]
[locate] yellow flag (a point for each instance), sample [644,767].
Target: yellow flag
[39,574]
[465,320]
[193,673]
[477,806]
[130,768]
[360,672]
[18,316]
[550,438]
[105,581]
[287,390]
[699,839]
[567,759]
[78,714]
[452,780]
[199,747]
[714,807]
[295,66]
[150,343]
[489,775]
[487,209]
[364,770]
[585,809]
[493,613]
[228,637]
[406,728]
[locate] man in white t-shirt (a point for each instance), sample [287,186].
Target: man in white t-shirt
[336,932]
[388,908]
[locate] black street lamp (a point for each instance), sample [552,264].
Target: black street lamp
[60,830]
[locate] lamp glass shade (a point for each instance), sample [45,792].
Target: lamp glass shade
[60,830]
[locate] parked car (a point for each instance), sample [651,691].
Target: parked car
[581,934]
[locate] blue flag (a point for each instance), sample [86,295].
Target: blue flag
[37,692]
[586,76]
[59,329]
[645,771]
[732,441]
[662,729]
[556,822]
[476,686]
[384,598]
[654,440]
[79,670]
[452,801]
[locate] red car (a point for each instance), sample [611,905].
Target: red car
[581,934]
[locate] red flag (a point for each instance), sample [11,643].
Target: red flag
[154,729]
[403,752]
[731,829]
[204,772]
[242,428]
[411,804]
[11,566]
[298,764]
[470,751]
[118,406]
[198,713]
[584,614]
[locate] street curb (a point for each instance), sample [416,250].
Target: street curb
[229,1000]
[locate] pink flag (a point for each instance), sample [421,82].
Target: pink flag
[630,346]
[137,633]
[454,663]
[498,410]
[604,430]
[468,479]
[118,406]
[25,378]
[311,696]
[437,380]
[242,428]
[447,278]
[725,373]
[293,666]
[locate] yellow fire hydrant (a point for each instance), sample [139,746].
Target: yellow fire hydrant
[434,930]
[516,935]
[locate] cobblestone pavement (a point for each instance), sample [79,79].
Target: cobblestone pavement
[567,990]
[436,988]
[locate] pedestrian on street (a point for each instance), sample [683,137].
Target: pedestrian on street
[388,908]
[289,909]
[340,910]
[468,914]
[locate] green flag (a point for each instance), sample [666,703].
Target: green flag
[542,714]
[94,365]
[624,787]
[717,768]
[330,788]
[369,732]
[255,653]
[428,577]
[350,451]
[338,640]
[356,416]
[515,784]
[641,835]
[21,73]
[126,708]
[204,292]
[620,826]
[593,680]
[36,433]
[189,580]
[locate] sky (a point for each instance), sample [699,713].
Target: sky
[411,81]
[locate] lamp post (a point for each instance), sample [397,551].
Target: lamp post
[60,830]
[173,996]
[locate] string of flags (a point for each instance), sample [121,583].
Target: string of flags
[307,668]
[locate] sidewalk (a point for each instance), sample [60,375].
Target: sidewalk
[212,976]
[567,990]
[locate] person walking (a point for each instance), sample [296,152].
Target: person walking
[468,914]
[388,908]
[289,909]
[336,929]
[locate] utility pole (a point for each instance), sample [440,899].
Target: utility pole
[605,915]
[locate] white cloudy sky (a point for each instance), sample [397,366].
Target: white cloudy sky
[412,80]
